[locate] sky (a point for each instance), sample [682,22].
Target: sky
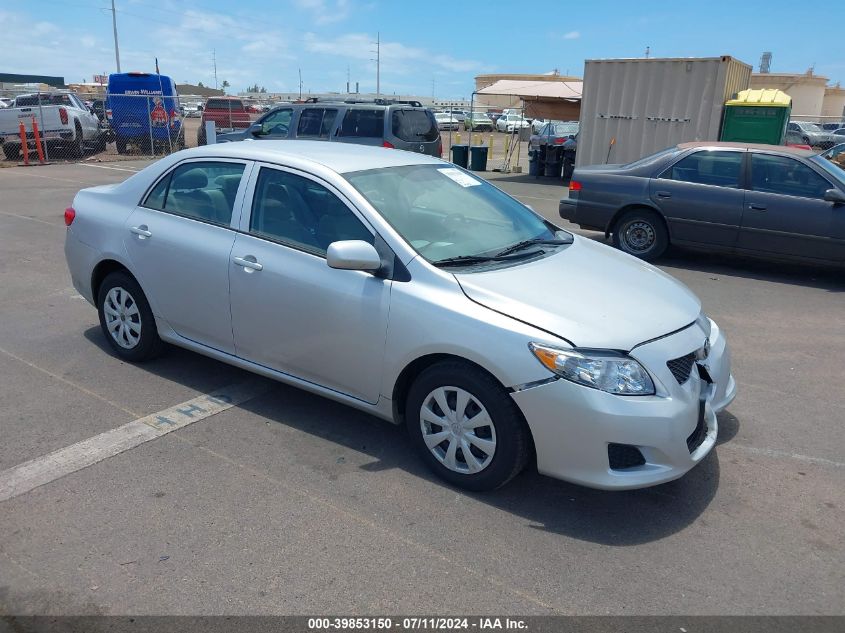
[430,47]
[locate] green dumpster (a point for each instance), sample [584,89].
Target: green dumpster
[460,155]
[478,159]
[757,116]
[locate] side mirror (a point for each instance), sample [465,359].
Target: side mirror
[255,129]
[353,255]
[835,196]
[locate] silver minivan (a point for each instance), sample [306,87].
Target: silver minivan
[396,124]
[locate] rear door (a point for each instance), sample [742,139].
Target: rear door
[701,197]
[786,213]
[179,240]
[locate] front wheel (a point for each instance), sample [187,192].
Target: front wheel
[126,318]
[641,233]
[466,427]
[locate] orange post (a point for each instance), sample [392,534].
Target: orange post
[37,140]
[24,145]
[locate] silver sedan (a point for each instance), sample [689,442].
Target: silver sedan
[402,285]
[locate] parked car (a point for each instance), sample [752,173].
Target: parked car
[765,200]
[65,124]
[836,154]
[143,110]
[812,134]
[399,125]
[192,110]
[228,114]
[795,139]
[478,121]
[511,123]
[553,133]
[404,286]
[832,126]
[6,102]
[446,122]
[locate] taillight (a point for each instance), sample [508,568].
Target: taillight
[574,186]
[558,141]
[70,215]
[108,114]
[440,147]
[388,145]
[63,115]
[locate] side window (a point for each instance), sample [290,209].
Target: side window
[363,123]
[316,122]
[721,169]
[301,213]
[786,176]
[202,191]
[277,122]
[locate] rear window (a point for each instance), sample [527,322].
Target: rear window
[224,104]
[46,99]
[414,125]
[363,123]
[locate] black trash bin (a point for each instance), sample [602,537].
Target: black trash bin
[460,155]
[478,158]
[534,163]
[554,158]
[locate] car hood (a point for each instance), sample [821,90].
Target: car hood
[589,294]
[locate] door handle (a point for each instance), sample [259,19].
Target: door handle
[141,231]
[663,194]
[248,264]
[757,207]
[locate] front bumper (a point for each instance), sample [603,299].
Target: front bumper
[573,425]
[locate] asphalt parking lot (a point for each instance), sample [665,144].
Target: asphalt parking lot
[290,504]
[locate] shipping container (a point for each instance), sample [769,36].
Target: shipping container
[634,107]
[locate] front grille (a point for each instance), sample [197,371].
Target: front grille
[622,456]
[697,436]
[681,368]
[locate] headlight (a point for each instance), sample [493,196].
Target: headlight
[608,372]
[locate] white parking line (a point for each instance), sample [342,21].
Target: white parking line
[770,452]
[109,167]
[47,468]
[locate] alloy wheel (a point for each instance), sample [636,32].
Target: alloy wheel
[458,430]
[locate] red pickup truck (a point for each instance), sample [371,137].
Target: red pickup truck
[228,114]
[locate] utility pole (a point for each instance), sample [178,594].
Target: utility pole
[647,51]
[214,64]
[114,28]
[377,60]
[300,84]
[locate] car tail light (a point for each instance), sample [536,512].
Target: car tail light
[574,186]
[70,215]
[63,115]
[388,145]
[108,114]
[558,141]
[440,147]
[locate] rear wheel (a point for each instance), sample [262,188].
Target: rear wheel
[76,148]
[126,319]
[120,145]
[641,233]
[466,427]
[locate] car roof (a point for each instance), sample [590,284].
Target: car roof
[795,151]
[338,157]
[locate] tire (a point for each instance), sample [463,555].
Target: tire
[120,145]
[76,148]
[507,429]
[641,233]
[100,145]
[130,344]
[10,151]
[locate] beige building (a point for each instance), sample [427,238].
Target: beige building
[834,102]
[807,91]
[499,102]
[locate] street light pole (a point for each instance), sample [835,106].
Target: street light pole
[114,27]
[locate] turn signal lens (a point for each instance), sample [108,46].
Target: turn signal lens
[70,215]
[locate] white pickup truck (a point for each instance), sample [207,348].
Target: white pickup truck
[64,123]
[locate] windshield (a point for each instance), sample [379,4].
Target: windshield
[479,115]
[832,165]
[444,212]
[809,127]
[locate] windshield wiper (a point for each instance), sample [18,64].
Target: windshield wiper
[551,241]
[480,259]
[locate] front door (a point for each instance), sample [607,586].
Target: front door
[179,241]
[786,213]
[701,198]
[290,311]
